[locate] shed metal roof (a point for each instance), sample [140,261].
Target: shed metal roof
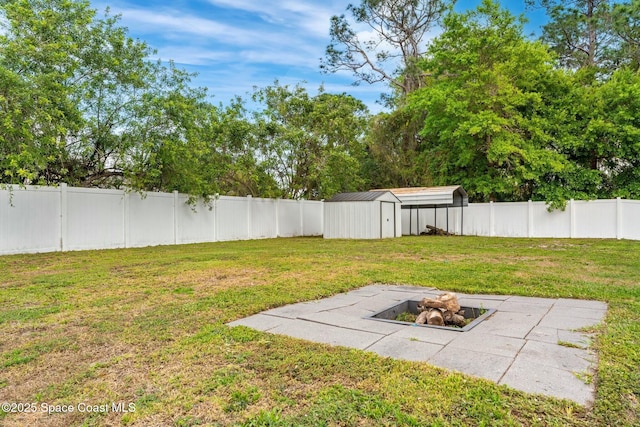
[446,196]
[365,196]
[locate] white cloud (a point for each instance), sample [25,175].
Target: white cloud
[195,40]
[235,45]
[311,16]
[193,55]
[177,23]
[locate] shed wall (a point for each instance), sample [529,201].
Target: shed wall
[352,220]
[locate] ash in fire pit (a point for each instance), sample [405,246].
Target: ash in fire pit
[443,312]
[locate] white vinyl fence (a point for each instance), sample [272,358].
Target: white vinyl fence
[47,219]
[609,219]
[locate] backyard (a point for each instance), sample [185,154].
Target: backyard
[138,336]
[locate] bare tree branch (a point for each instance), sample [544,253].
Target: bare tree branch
[399,27]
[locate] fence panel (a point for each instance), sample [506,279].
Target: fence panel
[556,223]
[289,218]
[425,216]
[45,219]
[30,220]
[455,220]
[150,219]
[630,219]
[477,219]
[510,219]
[233,217]
[405,221]
[95,219]
[263,219]
[443,219]
[312,218]
[194,224]
[414,221]
[595,218]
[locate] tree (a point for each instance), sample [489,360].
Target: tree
[388,51]
[38,56]
[608,128]
[311,145]
[233,142]
[112,80]
[625,19]
[579,31]
[494,111]
[393,147]
[399,28]
[621,96]
[81,103]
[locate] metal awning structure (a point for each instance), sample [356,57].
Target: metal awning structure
[365,196]
[451,196]
[430,197]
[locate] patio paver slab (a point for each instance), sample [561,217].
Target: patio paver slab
[520,345]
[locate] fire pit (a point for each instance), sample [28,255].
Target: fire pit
[409,308]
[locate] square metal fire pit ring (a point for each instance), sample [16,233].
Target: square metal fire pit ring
[389,314]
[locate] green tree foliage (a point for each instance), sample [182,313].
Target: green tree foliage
[579,31]
[39,55]
[598,42]
[81,103]
[393,145]
[607,128]
[625,18]
[504,121]
[311,145]
[482,106]
[492,109]
[621,101]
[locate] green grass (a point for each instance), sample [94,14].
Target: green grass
[147,327]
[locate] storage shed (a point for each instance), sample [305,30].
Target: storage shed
[365,215]
[441,207]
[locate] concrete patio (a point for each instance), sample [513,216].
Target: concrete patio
[530,344]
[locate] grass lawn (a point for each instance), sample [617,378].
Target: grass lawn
[146,327]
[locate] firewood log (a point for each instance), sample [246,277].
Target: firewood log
[446,301]
[451,318]
[434,317]
[422,318]
[450,301]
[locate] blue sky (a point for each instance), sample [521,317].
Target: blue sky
[235,45]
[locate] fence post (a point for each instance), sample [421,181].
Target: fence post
[249,197]
[215,219]
[398,223]
[572,219]
[125,218]
[619,229]
[64,211]
[301,209]
[175,217]
[277,217]
[529,219]
[492,220]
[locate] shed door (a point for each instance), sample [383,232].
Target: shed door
[388,220]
